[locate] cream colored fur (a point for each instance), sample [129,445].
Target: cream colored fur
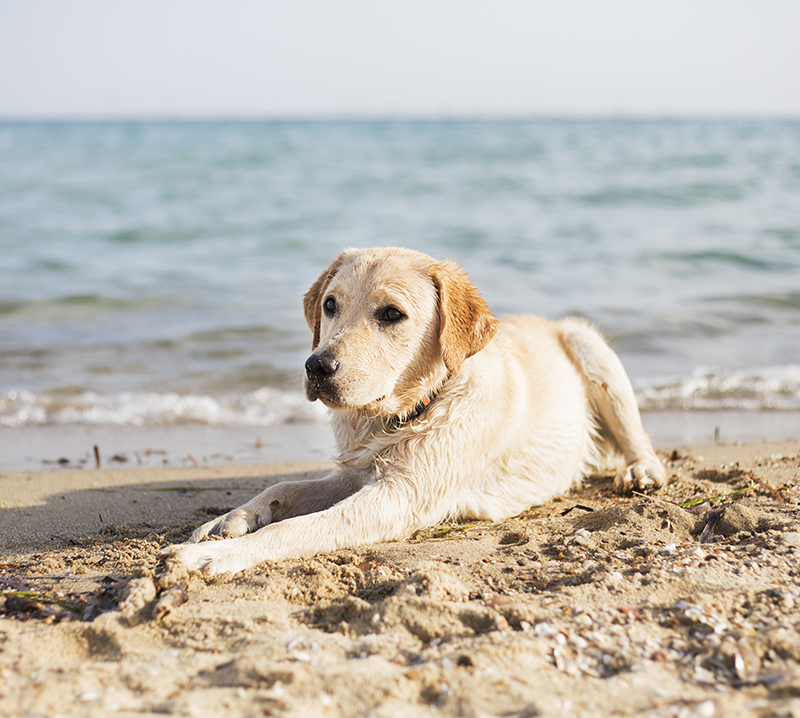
[521,410]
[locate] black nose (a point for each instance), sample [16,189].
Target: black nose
[321,366]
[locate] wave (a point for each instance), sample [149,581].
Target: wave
[684,195]
[763,389]
[737,259]
[76,307]
[264,407]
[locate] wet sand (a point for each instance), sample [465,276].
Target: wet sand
[188,445]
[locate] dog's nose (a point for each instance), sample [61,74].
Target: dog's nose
[321,366]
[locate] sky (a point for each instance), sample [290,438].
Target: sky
[99,59]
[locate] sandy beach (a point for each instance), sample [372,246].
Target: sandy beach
[589,605]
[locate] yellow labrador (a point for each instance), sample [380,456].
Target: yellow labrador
[439,411]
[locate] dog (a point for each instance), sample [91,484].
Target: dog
[440,411]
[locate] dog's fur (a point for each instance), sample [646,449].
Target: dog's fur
[439,410]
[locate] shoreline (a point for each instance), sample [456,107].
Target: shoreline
[42,509]
[40,448]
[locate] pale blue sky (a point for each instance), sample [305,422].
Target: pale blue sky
[263,58]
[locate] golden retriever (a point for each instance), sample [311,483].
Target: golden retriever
[439,410]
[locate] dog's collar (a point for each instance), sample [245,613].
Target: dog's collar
[396,422]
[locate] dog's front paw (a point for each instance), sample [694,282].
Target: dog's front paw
[641,475]
[207,558]
[235,523]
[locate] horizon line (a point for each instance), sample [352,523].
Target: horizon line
[400,117]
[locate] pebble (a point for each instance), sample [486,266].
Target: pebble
[277,691]
[668,550]
[693,612]
[792,538]
[545,630]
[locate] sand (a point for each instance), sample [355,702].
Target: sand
[590,605]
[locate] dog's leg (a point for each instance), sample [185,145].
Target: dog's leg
[380,511]
[612,398]
[281,501]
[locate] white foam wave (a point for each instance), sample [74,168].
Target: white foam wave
[265,407]
[764,389]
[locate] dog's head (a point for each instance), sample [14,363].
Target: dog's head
[389,325]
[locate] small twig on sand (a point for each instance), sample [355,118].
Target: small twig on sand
[712,516]
[576,506]
[764,485]
[96,456]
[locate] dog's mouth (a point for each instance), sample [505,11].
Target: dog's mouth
[333,400]
[315,390]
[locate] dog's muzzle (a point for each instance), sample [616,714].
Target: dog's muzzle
[320,370]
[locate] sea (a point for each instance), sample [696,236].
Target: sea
[152,273]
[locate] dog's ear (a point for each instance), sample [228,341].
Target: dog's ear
[312,301]
[465,323]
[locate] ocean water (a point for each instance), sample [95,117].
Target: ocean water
[152,273]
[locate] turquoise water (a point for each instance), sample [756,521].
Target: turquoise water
[153,272]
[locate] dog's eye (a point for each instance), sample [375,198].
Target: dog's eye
[330,305]
[391,315]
